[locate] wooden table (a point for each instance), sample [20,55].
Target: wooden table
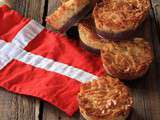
[146,90]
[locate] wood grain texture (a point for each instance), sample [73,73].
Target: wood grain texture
[146,90]
[156,15]
[19,107]
[154,3]
[53,113]
[30,8]
[16,107]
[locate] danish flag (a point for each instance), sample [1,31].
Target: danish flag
[37,62]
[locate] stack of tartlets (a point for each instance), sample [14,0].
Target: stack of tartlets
[110,30]
[90,40]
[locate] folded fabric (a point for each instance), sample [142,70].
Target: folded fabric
[37,62]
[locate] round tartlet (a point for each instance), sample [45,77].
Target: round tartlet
[105,99]
[120,19]
[128,59]
[90,40]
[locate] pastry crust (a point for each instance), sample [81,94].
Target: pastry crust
[70,12]
[119,18]
[88,34]
[127,60]
[69,9]
[105,99]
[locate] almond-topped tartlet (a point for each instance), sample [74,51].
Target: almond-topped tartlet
[120,19]
[105,99]
[69,13]
[127,60]
[89,39]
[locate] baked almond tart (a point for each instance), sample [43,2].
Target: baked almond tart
[120,19]
[127,60]
[106,98]
[69,13]
[89,39]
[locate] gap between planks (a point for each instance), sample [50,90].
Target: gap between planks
[155,6]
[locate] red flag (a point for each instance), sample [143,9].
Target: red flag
[43,64]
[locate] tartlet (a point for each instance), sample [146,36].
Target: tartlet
[105,99]
[128,59]
[69,13]
[89,39]
[120,19]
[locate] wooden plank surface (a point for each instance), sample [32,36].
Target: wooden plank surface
[18,107]
[146,90]
[156,10]
[30,8]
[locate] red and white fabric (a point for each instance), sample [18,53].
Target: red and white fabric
[37,62]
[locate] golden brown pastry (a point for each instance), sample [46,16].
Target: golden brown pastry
[128,59]
[70,12]
[105,99]
[120,19]
[88,35]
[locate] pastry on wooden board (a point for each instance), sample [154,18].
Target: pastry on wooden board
[69,13]
[106,98]
[89,39]
[120,19]
[127,60]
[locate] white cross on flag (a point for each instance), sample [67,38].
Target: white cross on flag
[43,64]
